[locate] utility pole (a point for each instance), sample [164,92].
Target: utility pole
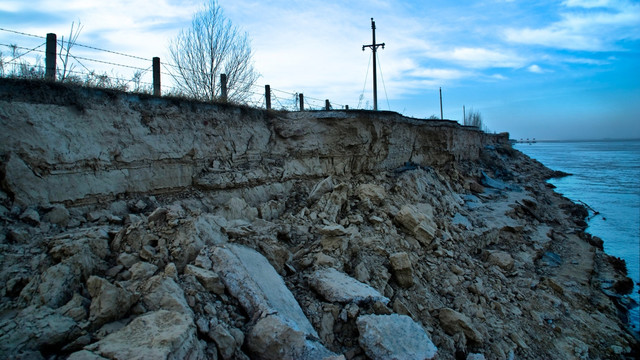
[374,48]
[464,116]
[441,116]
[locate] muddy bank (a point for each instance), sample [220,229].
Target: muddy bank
[157,228]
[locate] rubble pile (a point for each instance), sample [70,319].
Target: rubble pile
[475,257]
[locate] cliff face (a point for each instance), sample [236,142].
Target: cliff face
[77,146]
[143,227]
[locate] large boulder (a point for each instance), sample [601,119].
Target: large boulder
[273,338]
[249,277]
[109,302]
[34,328]
[159,334]
[394,337]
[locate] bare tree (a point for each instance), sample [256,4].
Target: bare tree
[210,47]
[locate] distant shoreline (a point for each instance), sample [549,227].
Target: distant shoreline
[571,141]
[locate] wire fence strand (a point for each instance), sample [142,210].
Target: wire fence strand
[287,100]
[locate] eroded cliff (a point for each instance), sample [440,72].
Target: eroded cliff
[147,227]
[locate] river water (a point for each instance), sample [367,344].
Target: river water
[606,177]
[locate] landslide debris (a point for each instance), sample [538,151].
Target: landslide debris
[474,263]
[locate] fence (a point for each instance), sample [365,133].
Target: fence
[145,78]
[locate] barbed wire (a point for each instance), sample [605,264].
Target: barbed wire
[309,101]
[23,48]
[22,33]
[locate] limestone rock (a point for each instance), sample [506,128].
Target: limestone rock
[30,216]
[320,189]
[76,308]
[159,334]
[336,286]
[402,269]
[418,220]
[475,356]
[238,209]
[59,282]
[454,322]
[181,247]
[272,338]
[333,230]
[250,278]
[209,279]
[85,355]
[34,327]
[332,203]
[58,215]
[225,342]
[163,293]
[142,270]
[127,260]
[461,220]
[108,302]
[371,194]
[501,259]
[394,337]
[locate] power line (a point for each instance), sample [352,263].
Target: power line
[383,85]
[365,80]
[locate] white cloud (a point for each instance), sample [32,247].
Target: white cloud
[535,69]
[480,58]
[443,74]
[588,3]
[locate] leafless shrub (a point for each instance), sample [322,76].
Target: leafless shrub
[473,118]
[65,49]
[210,47]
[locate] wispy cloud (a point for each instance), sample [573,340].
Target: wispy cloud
[596,25]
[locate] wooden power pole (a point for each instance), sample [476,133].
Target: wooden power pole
[374,48]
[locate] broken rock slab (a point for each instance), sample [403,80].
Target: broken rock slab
[159,334]
[453,322]
[394,337]
[336,286]
[273,339]
[282,331]
[251,279]
[402,269]
[418,219]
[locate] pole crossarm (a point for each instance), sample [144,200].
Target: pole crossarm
[374,47]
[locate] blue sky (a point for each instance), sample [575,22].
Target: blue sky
[537,69]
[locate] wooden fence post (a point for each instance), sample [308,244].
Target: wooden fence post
[267,96]
[223,86]
[301,102]
[50,62]
[327,105]
[156,76]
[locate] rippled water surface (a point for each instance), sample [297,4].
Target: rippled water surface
[606,176]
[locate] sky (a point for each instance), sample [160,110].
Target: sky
[536,69]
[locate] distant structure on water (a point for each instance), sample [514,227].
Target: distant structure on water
[524,141]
